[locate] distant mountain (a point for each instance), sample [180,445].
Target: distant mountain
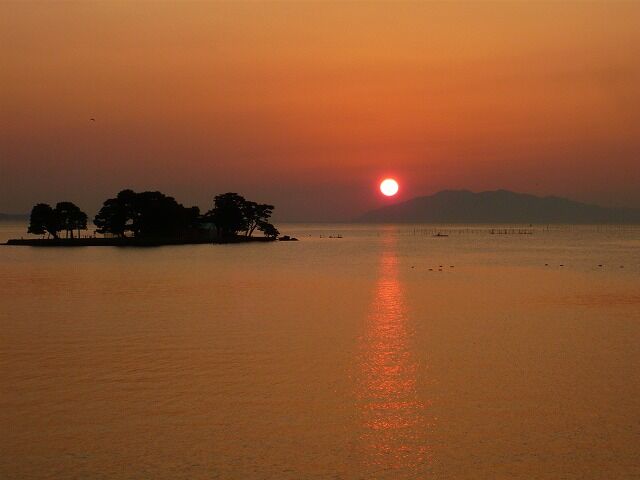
[13,216]
[499,206]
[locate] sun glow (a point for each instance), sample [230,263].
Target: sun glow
[389,187]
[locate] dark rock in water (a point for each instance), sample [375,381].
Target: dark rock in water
[287,238]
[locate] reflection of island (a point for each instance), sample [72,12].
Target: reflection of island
[394,423]
[152,218]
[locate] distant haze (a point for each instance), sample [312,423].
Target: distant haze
[309,105]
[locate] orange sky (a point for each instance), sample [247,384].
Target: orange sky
[307,105]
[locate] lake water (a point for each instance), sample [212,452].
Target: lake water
[328,358]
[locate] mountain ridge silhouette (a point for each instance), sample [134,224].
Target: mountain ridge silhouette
[497,206]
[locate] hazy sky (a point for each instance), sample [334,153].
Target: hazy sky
[308,105]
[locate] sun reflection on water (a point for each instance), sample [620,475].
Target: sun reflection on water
[394,425]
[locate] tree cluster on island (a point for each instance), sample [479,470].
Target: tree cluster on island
[154,215]
[65,217]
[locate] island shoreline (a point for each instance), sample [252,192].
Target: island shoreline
[126,242]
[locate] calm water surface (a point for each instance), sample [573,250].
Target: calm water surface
[385,354]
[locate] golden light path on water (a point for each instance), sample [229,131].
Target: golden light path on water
[394,423]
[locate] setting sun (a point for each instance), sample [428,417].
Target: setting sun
[389,187]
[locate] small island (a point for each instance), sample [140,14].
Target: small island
[151,219]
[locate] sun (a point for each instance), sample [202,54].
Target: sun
[389,187]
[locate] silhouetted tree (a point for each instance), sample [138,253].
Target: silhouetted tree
[155,214]
[145,214]
[255,214]
[70,218]
[116,214]
[268,229]
[228,214]
[43,220]
[232,214]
